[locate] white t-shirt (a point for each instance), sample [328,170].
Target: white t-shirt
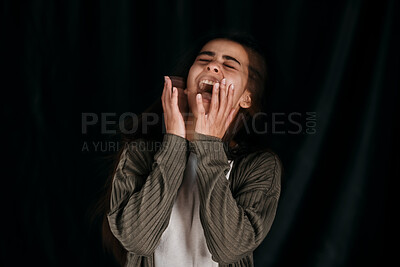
[183,242]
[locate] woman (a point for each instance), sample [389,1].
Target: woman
[204,198]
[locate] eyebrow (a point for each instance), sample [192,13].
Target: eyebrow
[209,53]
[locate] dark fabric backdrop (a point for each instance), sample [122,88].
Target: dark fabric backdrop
[337,59]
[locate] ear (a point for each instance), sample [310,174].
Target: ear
[245,100]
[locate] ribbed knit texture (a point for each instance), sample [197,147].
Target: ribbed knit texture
[236,214]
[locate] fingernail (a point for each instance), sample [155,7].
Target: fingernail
[198,96]
[174,89]
[232,86]
[223,81]
[165,78]
[217,86]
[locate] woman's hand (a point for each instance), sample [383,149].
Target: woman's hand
[173,119]
[221,112]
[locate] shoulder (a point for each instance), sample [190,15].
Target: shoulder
[263,159]
[139,152]
[142,146]
[259,169]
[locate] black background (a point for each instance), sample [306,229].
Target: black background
[61,59]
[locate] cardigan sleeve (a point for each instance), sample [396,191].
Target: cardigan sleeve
[234,225]
[143,190]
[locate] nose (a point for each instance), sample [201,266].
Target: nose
[213,67]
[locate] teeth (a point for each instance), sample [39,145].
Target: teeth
[204,83]
[207,82]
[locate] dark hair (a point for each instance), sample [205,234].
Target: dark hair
[256,85]
[244,140]
[257,65]
[244,137]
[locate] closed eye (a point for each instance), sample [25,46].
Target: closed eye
[209,60]
[229,66]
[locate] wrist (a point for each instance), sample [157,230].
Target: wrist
[208,146]
[197,136]
[183,135]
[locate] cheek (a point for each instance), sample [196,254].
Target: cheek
[191,78]
[236,98]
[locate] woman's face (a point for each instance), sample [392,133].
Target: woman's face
[218,59]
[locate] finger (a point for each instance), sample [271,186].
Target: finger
[200,108]
[222,98]
[163,101]
[229,104]
[174,98]
[214,101]
[163,96]
[168,90]
[168,97]
[224,87]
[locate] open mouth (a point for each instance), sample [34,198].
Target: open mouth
[206,85]
[206,88]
